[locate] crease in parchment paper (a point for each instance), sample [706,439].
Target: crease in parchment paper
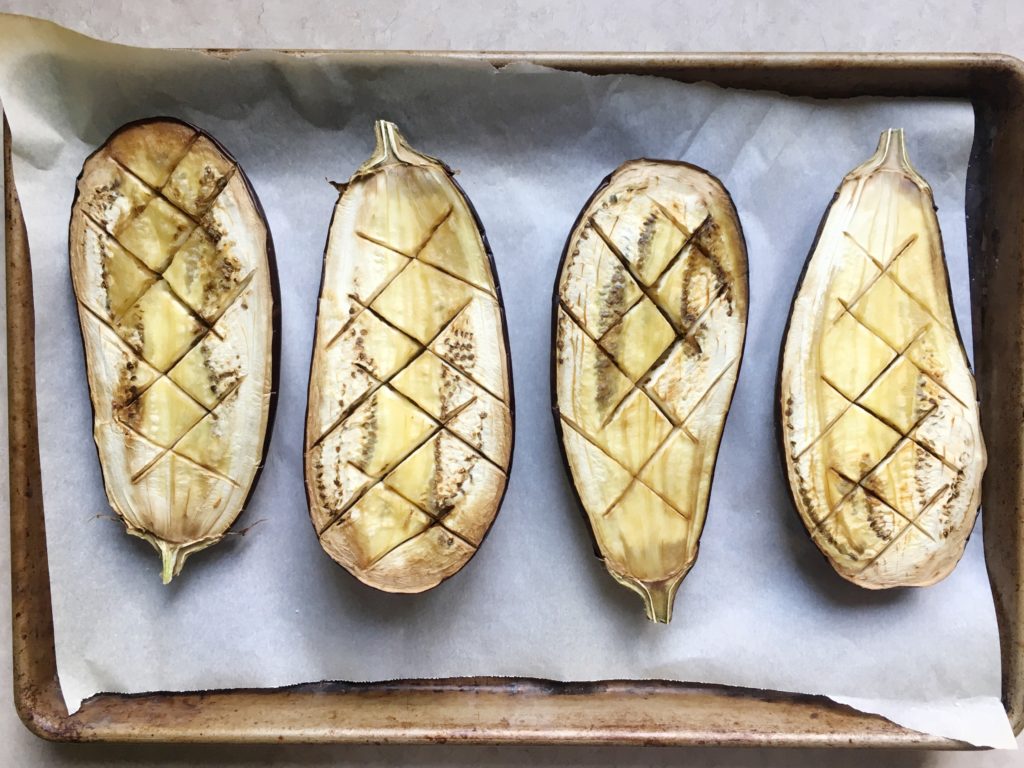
[760,609]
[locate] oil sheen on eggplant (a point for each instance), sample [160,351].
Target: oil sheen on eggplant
[409,419]
[169,259]
[880,428]
[650,318]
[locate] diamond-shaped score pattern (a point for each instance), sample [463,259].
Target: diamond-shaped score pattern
[434,386]
[598,288]
[596,378]
[206,277]
[437,477]
[611,477]
[648,242]
[901,396]
[859,269]
[639,338]
[448,250]
[838,487]
[168,281]
[662,474]
[380,521]
[637,426]
[456,344]
[941,433]
[131,195]
[156,233]
[382,431]
[865,520]
[688,361]
[908,479]
[897,490]
[649,518]
[880,300]
[421,300]
[163,413]
[209,371]
[198,177]
[851,356]
[204,443]
[336,481]
[366,351]
[852,454]
[425,387]
[641,435]
[933,352]
[688,286]
[160,327]
[123,276]
[151,157]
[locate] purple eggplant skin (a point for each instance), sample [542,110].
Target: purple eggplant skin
[274,282]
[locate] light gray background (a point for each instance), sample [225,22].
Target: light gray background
[568,25]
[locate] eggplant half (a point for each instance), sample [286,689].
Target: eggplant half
[409,419]
[879,413]
[649,322]
[171,261]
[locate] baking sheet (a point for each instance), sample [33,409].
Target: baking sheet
[760,609]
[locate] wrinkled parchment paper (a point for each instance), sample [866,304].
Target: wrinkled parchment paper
[760,609]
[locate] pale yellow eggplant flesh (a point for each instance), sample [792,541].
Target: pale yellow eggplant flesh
[649,323]
[879,414]
[171,262]
[409,418]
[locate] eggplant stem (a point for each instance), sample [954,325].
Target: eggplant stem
[391,149]
[388,141]
[172,556]
[892,149]
[169,559]
[891,155]
[658,599]
[658,596]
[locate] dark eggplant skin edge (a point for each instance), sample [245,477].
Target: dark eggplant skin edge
[601,187]
[779,433]
[343,187]
[275,294]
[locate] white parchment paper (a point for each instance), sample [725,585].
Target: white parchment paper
[760,609]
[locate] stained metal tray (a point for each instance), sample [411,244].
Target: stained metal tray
[500,710]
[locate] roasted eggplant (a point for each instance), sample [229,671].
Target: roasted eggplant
[649,321]
[879,413]
[409,418]
[171,261]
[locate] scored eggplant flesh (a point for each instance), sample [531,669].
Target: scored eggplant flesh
[650,318]
[170,260]
[409,418]
[880,426]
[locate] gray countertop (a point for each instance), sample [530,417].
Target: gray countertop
[644,25]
